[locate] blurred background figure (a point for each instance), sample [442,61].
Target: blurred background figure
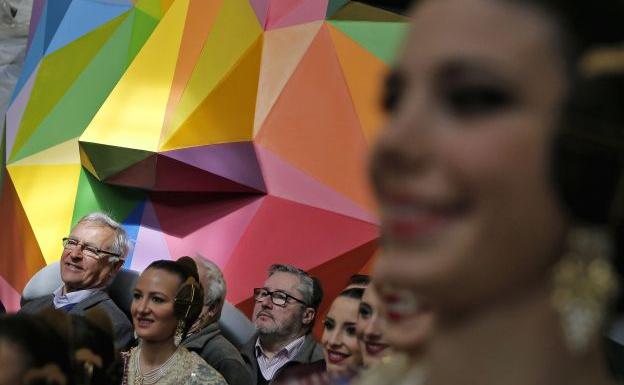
[343,357]
[32,352]
[358,281]
[499,183]
[167,301]
[371,328]
[205,337]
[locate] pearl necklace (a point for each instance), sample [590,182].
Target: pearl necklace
[153,375]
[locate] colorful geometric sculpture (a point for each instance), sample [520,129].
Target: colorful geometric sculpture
[238,129]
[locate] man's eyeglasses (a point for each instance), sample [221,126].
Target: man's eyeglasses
[87,251]
[279,298]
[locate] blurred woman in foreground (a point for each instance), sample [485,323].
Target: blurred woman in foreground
[498,182]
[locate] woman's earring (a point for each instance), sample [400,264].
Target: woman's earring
[179,333]
[584,283]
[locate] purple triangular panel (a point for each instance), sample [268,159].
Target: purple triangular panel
[261,8]
[37,11]
[150,244]
[234,161]
[285,181]
[16,111]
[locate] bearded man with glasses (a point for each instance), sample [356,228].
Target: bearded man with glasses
[284,313]
[93,253]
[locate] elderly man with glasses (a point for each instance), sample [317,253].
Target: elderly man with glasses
[93,253]
[284,313]
[205,336]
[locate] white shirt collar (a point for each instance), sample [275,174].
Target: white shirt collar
[73,297]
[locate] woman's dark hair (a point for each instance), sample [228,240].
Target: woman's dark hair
[189,300]
[354,292]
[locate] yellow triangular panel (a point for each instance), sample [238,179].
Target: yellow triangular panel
[282,51]
[133,114]
[86,163]
[235,28]
[64,153]
[47,193]
[226,115]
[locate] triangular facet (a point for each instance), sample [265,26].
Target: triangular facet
[234,161]
[47,191]
[382,39]
[109,160]
[227,113]
[73,112]
[150,243]
[313,124]
[94,195]
[364,74]
[282,51]
[234,30]
[288,13]
[64,153]
[20,255]
[83,17]
[285,181]
[364,12]
[52,84]
[133,114]
[210,227]
[286,232]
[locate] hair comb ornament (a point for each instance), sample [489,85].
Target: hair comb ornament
[601,61]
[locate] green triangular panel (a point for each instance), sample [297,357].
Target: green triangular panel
[356,11]
[109,160]
[151,7]
[382,39]
[72,114]
[142,28]
[94,195]
[57,73]
[333,6]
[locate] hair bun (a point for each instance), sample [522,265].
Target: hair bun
[188,264]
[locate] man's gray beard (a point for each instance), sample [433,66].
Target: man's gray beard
[273,331]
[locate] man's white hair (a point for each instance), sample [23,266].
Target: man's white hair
[121,243]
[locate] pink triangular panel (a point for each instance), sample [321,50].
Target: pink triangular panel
[261,8]
[9,296]
[305,12]
[286,232]
[285,181]
[16,111]
[234,161]
[220,226]
[150,243]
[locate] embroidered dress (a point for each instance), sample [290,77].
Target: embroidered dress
[183,368]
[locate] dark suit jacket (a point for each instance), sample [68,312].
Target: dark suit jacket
[219,353]
[100,299]
[311,352]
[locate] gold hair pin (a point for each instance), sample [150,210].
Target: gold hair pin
[602,60]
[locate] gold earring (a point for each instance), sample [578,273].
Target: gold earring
[584,283]
[179,333]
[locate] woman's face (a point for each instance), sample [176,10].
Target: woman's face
[339,340]
[371,328]
[461,172]
[152,306]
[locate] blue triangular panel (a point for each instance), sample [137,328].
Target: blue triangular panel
[34,54]
[82,17]
[132,224]
[55,12]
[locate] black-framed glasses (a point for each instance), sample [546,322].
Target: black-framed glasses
[278,298]
[87,250]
